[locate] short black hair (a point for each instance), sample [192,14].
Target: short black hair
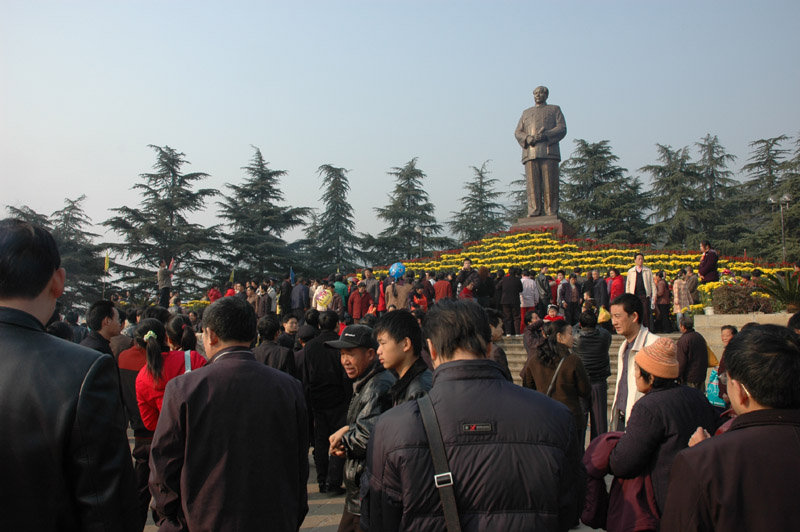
[311,317]
[732,328]
[286,317]
[794,321]
[588,320]
[99,311]
[452,324]
[328,320]
[28,258]
[687,323]
[368,320]
[399,325]
[156,312]
[268,327]
[232,319]
[766,360]
[60,329]
[71,317]
[130,314]
[630,304]
[495,317]
[658,382]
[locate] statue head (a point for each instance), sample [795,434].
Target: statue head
[540,94]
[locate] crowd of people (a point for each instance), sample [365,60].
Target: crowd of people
[402,390]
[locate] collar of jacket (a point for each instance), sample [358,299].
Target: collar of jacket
[373,370]
[587,331]
[238,352]
[472,369]
[20,318]
[640,340]
[416,368]
[770,416]
[99,337]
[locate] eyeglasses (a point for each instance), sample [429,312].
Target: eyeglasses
[723,378]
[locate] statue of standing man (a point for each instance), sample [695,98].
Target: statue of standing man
[539,130]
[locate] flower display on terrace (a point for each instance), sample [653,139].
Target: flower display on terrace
[533,249]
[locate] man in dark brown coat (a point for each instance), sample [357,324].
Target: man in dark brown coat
[692,355]
[746,478]
[230,451]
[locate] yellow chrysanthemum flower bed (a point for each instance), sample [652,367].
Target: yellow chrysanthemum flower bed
[533,249]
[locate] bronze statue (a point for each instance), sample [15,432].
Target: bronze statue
[538,132]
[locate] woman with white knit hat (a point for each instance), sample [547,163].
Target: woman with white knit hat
[661,422]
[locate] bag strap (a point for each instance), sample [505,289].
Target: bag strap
[187,360]
[443,478]
[553,381]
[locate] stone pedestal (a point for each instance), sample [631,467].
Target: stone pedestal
[545,222]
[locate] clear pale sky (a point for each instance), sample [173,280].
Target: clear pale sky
[85,86]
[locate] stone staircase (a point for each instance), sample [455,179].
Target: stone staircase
[515,351]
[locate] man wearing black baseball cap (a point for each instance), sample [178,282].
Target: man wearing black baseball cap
[371,385]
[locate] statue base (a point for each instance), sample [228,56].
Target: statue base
[545,222]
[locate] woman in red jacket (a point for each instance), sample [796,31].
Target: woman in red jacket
[617,287]
[161,366]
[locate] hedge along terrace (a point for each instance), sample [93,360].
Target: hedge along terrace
[533,249]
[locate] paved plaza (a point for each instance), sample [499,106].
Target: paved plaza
[324,510]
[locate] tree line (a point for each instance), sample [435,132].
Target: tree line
[692,197]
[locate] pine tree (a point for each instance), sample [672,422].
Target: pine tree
[80,257]
[599,199]
[720,201]
[766,164]
[331,234]
[766,167]
[480,214]
[518,198]
[257,222]
[160,230]
[675,198]
[412,227]
[790,189]
[712,169]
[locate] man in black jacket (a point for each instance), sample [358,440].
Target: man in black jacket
[508,473]
[64,455]
[328,393]
[591,346]
[269,352]
[371,398]
[399,350]
[103,321]
[511,286]
[545,294]
[692,355]
[285,296]
[599,290]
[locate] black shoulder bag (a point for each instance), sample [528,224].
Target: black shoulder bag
[443,478]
